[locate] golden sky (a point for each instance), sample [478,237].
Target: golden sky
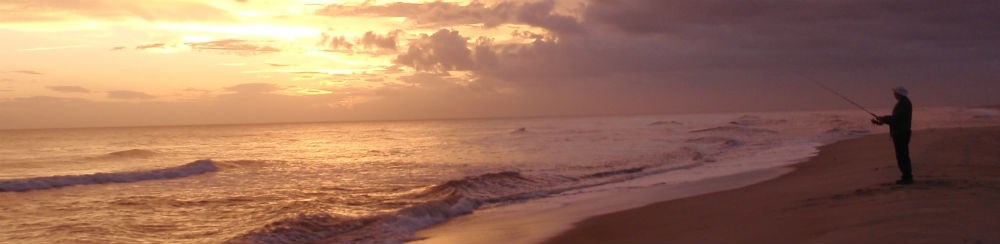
[176,49]
[152,62]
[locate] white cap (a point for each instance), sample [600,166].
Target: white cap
[900,90]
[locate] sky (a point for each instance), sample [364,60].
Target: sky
[87,63]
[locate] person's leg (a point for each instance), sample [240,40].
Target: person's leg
[902,145]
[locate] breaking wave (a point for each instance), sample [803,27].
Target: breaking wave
[434,204]
[441,202]
[47,182]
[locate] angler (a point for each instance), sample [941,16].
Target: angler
[899,129]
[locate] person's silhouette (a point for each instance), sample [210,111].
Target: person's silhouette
[899,128]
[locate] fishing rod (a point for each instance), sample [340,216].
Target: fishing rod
[845,98]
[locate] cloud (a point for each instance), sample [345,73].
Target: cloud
[254,88]
[153,10]
[149,46]
[118,48]
[444,14]
[335,43]
[375,41]
[233,45]
[27,72]
[129,95]
[442,51]
[695,38]
[69,89]
[618,56]
[828,26]
[36,49]
[653,56]
[370,42]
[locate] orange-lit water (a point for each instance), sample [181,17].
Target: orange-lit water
[369,182]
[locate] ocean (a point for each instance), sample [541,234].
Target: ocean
[377,182]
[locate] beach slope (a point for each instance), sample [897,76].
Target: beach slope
[843,195]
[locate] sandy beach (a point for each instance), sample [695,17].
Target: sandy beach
[843,195]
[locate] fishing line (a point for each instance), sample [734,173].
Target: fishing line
[844,97]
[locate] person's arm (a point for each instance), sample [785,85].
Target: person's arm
[881,120]
[887,119]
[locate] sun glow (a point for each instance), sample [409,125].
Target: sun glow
[197,38]
[287,32]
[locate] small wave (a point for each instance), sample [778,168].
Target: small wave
[685,153]
[748,120]
[664,122]
[40,183]
[721,141]
[736,129]
[848,132]
[239,163]
[980,113]
[490,187]
[615,172]
[133,153]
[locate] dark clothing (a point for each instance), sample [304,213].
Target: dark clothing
[902,145]
[902,115]
[899,128]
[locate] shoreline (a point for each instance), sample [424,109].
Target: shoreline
[541,219]
[845,194]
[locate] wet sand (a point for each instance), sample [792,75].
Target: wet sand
[843,195]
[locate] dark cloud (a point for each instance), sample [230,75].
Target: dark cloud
[233,45]
[118,48]
[920,20]
[442,51]
[443,14]
[276,65]
[885,39]
[69,89]
[651,56]
[848,31]
[540,14]
[375,41]
[129,95]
